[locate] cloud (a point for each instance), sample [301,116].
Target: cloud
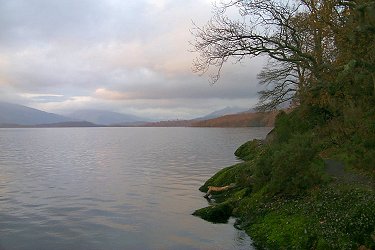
[72,103]
[128,56]
[43,98]
[106,94]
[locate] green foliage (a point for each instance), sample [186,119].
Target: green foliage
[352,137]
[263,167]
[360,138]
[296,166]
[291,164]
[299,121]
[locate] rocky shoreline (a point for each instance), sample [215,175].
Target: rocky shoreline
[336,214]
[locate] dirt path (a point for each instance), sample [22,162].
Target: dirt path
[336,169]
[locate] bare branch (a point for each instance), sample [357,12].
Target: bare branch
[299,36]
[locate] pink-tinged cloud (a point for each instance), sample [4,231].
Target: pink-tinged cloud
[103,93]
[114,55]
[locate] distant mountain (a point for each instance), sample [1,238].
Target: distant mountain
[222,112]
[244,119]
[21,115]
[52,125]
[105,117]
[260,119]
[67,125]
[14,115]
[170,123]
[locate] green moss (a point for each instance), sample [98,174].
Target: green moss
[218,213]
[239,174]
[249,150]
[223,208]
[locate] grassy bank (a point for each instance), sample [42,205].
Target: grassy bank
[298,189]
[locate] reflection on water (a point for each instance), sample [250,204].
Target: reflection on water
[113,188]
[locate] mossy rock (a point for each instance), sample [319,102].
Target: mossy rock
[239,174]
[249,150]
[232,195]
[218,213]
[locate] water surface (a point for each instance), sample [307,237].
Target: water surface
[114,188]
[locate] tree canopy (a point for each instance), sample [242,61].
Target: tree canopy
[310,45]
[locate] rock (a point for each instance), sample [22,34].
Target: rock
[270,137]
[219,213]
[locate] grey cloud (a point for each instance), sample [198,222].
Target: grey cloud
[27,21]
[236,82]
[40,21]
[192,90]
[71,48]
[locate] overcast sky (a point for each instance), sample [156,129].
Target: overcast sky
[129,56]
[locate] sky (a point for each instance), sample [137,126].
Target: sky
[127,56]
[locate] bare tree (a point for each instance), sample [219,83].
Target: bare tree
[298,36]
[281,85]
[266,29]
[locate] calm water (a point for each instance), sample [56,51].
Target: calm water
[113,188]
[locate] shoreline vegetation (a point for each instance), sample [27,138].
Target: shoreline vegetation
[310,184]
[295,190]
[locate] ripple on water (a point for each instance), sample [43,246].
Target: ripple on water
[107,188]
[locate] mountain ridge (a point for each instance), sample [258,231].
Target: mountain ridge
[22,115]
[221,112]
[103,117]
[19,116]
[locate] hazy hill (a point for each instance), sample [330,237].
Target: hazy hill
[266,119]
[170,123]
[67,125]
[261,119]
[22,115]
[14,115]
[222,112]
[74,124]
[105,117]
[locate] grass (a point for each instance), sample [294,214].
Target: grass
[332,216]
[335,216]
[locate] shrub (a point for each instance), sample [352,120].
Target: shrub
[263,168]
[296,166]
[286,125]
[289,168]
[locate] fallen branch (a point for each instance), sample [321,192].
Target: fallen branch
[218,189]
